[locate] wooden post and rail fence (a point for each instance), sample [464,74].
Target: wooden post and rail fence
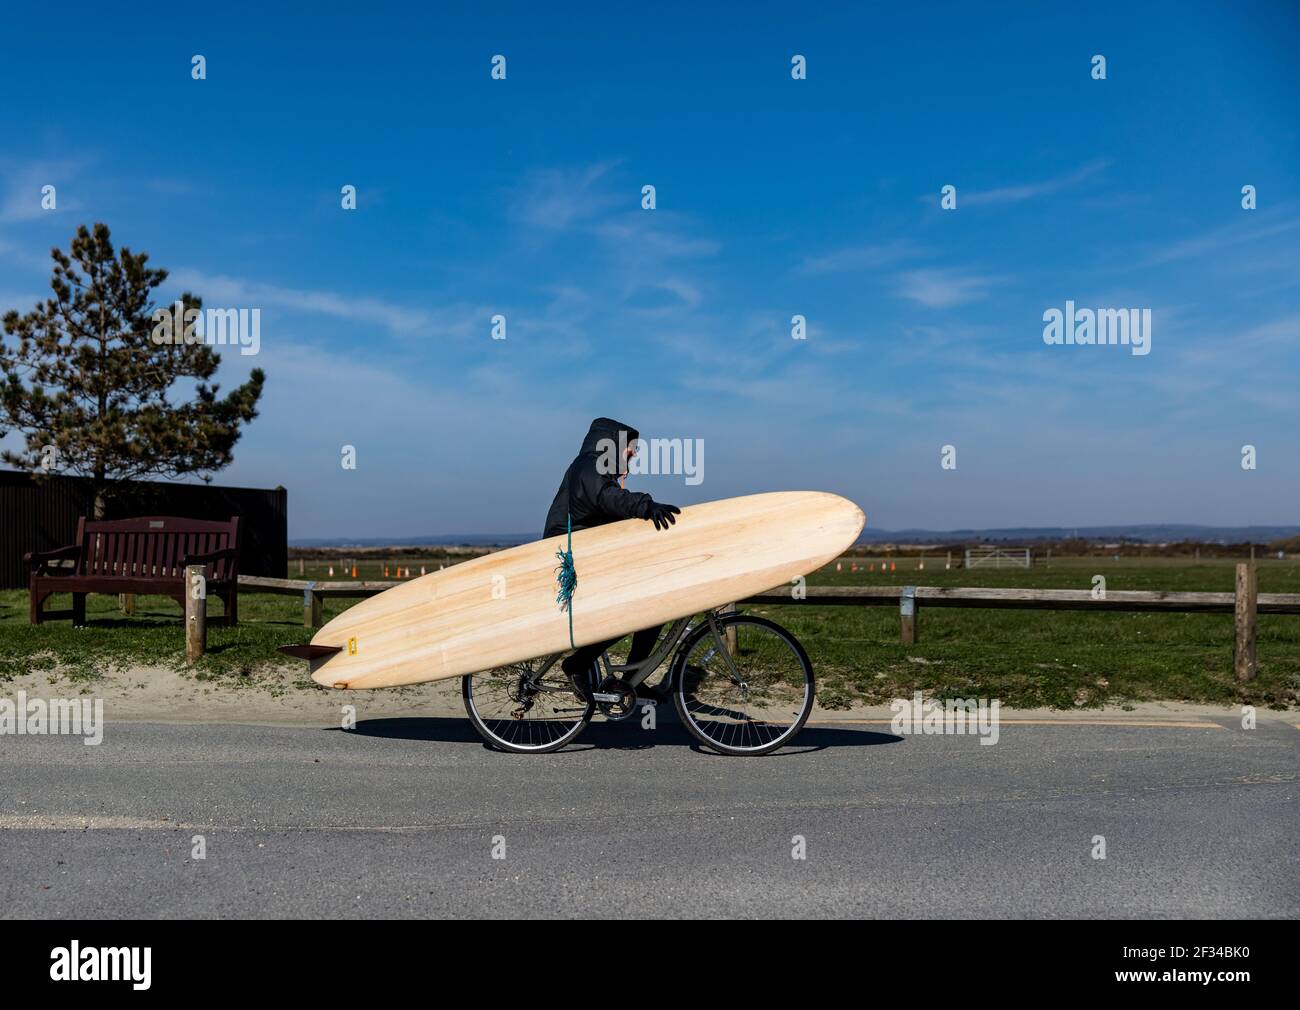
[1245,603]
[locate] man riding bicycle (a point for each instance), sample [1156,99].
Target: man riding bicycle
[591,494]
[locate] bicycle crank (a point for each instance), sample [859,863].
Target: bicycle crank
[615,699]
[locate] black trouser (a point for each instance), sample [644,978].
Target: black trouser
[643,643]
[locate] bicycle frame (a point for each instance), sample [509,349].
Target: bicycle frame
[636,674]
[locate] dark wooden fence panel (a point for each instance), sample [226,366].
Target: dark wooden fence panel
[39,515]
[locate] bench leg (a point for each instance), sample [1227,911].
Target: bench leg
[78,610]
[37,605]
[232,607]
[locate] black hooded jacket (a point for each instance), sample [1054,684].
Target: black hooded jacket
[591,497]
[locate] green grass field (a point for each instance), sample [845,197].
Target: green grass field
[1062,659]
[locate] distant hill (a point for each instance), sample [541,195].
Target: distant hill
[441,540]
[1149,534]
[1158,533]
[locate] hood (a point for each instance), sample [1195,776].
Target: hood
[607,428]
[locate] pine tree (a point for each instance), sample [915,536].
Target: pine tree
[88,387]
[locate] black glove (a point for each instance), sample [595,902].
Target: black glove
[662,515]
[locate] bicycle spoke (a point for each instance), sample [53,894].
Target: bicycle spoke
[525,707]
[749,703]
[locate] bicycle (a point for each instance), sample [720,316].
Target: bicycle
[532,708]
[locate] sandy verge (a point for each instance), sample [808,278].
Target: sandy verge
[285,696]
[274,696]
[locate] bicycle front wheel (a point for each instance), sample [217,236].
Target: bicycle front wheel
[748,700]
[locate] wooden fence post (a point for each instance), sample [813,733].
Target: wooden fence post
[196,613]
[907,614]
[1243,652]
[311,606]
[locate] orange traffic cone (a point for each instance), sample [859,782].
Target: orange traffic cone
[893,566]
[354,571]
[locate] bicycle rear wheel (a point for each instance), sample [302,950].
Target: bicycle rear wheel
[526,708]
[750,703]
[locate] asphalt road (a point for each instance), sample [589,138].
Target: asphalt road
[398,818]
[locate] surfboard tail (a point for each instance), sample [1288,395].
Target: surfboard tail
[309,652]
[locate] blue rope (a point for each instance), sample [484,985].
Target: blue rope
[567,577]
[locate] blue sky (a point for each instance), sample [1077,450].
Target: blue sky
[774,197]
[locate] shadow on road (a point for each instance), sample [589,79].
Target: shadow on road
[440,730]
[613,735]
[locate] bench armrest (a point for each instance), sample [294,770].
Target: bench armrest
[209,556]
[37,560]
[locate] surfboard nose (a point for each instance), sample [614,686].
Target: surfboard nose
[849,508]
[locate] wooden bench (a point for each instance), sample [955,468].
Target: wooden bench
[145,555]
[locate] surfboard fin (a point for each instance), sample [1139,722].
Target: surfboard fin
[309,651]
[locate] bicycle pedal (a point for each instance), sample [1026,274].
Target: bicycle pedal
[606,698]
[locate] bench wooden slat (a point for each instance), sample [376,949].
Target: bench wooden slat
[137,557]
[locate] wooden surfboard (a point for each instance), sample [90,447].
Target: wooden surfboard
[501,608]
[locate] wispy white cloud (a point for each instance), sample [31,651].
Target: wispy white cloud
[24,180]
[557,199]
[862,257]
[1030,190]
[24,257]
[942,289]
[1217,353]
[660,239]
[676,294]
[627,259]
[1249,229]
[508,443]
[455,321]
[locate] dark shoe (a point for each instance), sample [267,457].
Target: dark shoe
[581,681]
